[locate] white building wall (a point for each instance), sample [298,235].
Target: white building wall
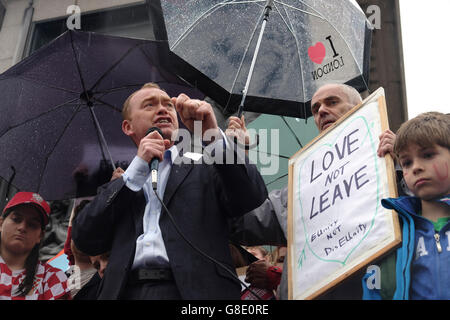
[9,34]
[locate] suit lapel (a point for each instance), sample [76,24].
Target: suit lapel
[177,175]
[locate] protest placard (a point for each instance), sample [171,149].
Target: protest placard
[336,224]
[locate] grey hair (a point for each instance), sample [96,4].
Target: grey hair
[353,95]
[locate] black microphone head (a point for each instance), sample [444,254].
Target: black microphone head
[154,129]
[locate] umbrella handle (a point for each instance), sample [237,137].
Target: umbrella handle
[102,137]
[267,10]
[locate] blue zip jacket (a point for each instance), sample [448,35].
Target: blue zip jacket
[423,260]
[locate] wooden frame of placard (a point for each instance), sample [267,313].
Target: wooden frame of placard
[356,263]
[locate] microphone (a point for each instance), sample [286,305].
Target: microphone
[155,161]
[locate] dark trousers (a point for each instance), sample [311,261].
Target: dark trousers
[151,290]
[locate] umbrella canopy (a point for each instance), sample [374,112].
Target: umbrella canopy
[304,44]
[61,107]
[272,157]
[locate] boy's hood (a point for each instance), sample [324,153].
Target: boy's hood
[411,205]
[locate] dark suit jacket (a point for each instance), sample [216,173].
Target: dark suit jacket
[200,197]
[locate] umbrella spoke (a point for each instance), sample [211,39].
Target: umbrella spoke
[106,104]
[78,66]
[242,60]
[56,143]
[37,117]
[40,83]
[303,11]
[274,155]
[194,24]
[115,89]
[353,56]
[248,1]
[115,64]
[277,179]
[207,13]
[137,86]
[337,31]
[164,74]
[291,29]
[292,131]
[162,71]
[241,63]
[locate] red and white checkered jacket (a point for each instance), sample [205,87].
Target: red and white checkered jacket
[49,283]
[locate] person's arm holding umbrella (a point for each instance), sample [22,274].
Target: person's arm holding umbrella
[117,173]
[257,227]
[237,130]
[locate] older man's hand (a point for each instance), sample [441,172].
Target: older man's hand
[386,145]
[236,129]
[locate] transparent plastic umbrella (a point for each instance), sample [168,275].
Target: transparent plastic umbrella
[276,52]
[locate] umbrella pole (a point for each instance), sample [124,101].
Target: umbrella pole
[102,137]
[267,10]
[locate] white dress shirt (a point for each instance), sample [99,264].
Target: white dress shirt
[150,249]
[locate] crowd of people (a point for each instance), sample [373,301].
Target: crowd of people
[168,235]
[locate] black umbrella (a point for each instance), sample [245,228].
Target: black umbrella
[60,130]
[278,52]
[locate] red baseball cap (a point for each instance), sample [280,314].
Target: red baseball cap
[33,199]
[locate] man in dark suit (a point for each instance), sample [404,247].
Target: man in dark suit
[149,258]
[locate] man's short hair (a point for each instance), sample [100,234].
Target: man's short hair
[426,129]
[354,97]
[126,105]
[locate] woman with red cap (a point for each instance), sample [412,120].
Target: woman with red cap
[22,275]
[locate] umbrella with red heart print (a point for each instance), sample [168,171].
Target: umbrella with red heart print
[265,56]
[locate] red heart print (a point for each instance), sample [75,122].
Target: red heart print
[317,52]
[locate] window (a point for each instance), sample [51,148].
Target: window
[2,14]
[131,21]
